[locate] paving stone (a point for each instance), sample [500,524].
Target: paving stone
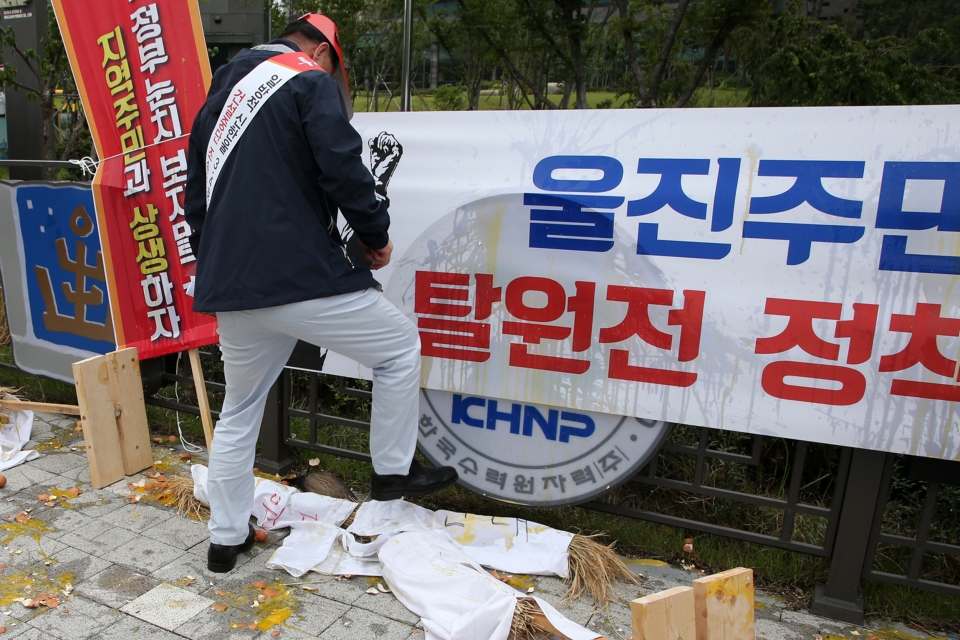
[145,554]
[64,520]
[20,630]
[99,541]
[74,566]
[387,605]
[30,550]
[219,625]
[130,627]
[137,517]
[60,463]
[116,585]
[25,475]
[344,590]
[182,533]
[315,614]
[167,606]
[191,565]
[359,623]
[97,503]
[23,631]
[75,618]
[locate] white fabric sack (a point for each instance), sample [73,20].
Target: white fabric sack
[455,598]
[276,505]
[308,544]
[13,436]
[504,544]
[340,562]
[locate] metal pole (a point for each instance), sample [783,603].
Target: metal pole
[405,102]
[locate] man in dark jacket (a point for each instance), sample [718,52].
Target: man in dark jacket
[272,159]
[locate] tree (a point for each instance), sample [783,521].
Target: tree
[713,22]
[470,53]
[796,61]
[53,87]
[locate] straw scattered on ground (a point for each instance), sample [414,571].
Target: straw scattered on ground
[524,626]
[593,569]
[181,496]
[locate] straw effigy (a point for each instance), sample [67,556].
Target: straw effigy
[593,568]
[180,492]
[325,483]
[525,617]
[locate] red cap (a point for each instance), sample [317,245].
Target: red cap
[328,28]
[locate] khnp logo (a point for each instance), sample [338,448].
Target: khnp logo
[534,454]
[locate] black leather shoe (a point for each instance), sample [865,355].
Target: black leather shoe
[420,481]
[223,557]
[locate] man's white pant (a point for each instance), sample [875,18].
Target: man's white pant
[256,344]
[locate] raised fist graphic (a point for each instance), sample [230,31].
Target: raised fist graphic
[385,154]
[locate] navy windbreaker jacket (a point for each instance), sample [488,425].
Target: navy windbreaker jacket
[269,236]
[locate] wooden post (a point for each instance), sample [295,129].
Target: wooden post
[131,411]
[666,615]
[46,407]
[99,420]
[202,400]
[724,606]
[113,416]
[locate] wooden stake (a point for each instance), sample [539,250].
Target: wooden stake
[22,405]
[98,417]
[113,416]
[131,411]
[724,606]
[202,400]
[666,615]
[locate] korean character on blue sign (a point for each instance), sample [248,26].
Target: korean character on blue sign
[890,215]
[669,193]
[808,188]
[572,222]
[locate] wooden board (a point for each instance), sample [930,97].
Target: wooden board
[724,606]
[98,417]
[131,415]
[46,407]
[666,615]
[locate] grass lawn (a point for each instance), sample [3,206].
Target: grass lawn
[424,100]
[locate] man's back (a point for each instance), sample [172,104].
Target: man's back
[268,237]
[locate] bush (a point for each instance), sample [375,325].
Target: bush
[449,99]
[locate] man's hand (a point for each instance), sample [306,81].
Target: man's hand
[379,258]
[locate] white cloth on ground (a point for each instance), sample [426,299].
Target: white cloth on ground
[13,436]
[455,597]
[314,520]
[506,544]
[256,344]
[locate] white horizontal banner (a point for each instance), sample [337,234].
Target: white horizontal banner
[788,272]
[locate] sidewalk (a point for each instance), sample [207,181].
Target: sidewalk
[138,570]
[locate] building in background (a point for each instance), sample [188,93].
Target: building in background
[232,25]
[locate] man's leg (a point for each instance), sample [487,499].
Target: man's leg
[253,358]
[365,327]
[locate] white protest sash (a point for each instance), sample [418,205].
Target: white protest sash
[245,101]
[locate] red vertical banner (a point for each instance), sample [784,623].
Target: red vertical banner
[142,70]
